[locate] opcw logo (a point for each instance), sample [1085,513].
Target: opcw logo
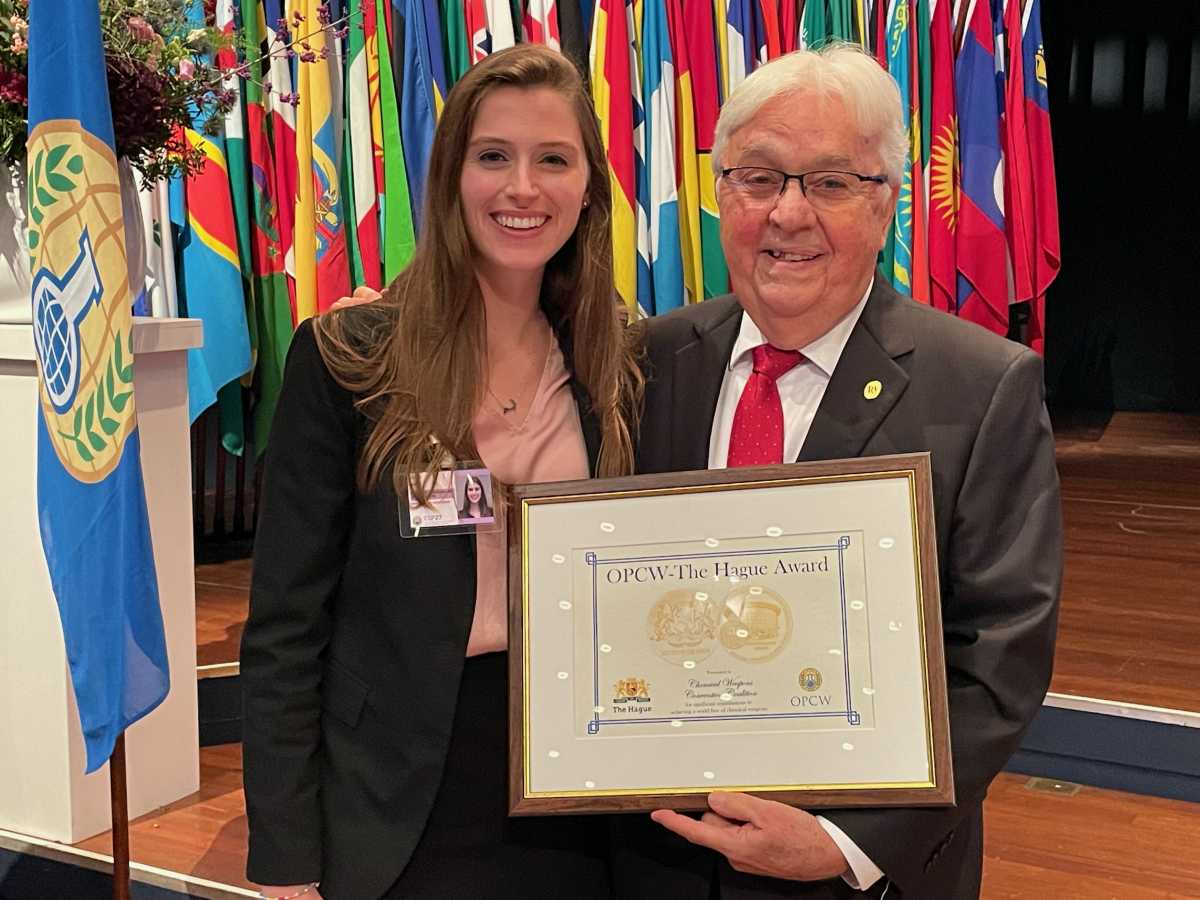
[80,297]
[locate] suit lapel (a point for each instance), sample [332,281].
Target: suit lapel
[699,369]
[847,417]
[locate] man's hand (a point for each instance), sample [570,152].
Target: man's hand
[362,294]
[761,837]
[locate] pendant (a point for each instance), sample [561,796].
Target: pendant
[509,406]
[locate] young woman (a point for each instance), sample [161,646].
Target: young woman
[475,505]
[373,665]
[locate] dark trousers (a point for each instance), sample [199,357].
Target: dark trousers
[471,849]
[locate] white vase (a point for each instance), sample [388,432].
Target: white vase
[15,303]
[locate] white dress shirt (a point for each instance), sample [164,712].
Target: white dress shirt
[800,393]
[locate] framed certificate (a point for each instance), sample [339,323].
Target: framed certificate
[775,630]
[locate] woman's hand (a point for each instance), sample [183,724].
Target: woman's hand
[362,294]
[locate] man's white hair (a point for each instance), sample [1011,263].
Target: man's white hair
[840,70]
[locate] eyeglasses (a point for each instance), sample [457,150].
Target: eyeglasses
[824,190]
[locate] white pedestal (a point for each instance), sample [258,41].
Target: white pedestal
[43,791]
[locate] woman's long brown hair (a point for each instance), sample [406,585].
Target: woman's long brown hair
[415,358]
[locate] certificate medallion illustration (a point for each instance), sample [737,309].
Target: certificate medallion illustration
[682,626]
[756,623]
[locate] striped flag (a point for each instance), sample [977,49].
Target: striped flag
[612,95]
[322,266]
[982,287]
[458,53]
[686,160]
[422,74]
[899,65]
[541,24]
[920,86]
[941,166]
[282,122]
[658,72]
[739,43]
[366,240]
[701,42]
[1048,258]
[91,502]
[399,212]
[814,25]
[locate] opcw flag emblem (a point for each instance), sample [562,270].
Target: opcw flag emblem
[77,257]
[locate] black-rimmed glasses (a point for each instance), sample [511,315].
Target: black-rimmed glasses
[824,189]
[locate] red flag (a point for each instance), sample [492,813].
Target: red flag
[981,248]
[1048,256]
[942,165]
[789,27]
[1018,170]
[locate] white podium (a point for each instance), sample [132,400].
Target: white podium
[43,791]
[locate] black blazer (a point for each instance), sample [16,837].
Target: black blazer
[352,653]
[975,401]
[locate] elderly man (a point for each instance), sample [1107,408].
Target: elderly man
[814,356]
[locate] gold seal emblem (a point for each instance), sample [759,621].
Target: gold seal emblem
[810,679]
[631,689]
[756,623]
[682,626]
[80,297]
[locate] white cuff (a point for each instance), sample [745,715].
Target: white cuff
[863,873]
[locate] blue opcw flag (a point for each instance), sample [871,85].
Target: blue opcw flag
[91,504]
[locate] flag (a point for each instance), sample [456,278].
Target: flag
[365,196]
[500,25]
[612,94]
[702,48]
[769,38]
[641,168]
[739,42]
[814,25]
[1048,258]
[269,282]
[229,397]
[941,166]
[397,206]
[982,286]
[322,266]
[541,24]
[658,85]
[841,20]
[686,161]
[899,48]
[789,26]
[421,92]
[91,502]
[281,102]
[458,55]
[920,86]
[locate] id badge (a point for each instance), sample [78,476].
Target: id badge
[462,500]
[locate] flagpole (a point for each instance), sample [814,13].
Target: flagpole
[120,820]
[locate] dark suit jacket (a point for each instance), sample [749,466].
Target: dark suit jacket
[975,402]
[352,654]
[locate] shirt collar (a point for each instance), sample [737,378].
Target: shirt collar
[824,352]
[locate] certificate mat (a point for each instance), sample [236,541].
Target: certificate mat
[774,629]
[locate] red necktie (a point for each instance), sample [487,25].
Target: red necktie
[757,435]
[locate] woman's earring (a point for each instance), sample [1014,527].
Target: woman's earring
[586,202]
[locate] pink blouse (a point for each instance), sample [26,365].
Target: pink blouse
[545,445]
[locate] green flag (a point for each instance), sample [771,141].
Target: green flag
[454,27]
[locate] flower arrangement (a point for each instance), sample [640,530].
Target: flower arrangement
[161,78]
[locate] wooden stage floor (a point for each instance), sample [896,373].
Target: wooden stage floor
[1089,845]
[1129,631]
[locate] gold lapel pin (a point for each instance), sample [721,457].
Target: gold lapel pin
[872,389]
